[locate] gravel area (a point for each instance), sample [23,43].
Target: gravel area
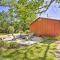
[24,39]
[57,50]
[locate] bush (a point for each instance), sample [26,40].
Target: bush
[6,44]
[13,45]
[11,29]
[27,31]
[2,43]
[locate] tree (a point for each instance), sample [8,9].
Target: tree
[11,31]
[3,22]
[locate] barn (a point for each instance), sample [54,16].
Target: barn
[45,27]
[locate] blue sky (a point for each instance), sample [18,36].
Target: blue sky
[53,11]
[2,8]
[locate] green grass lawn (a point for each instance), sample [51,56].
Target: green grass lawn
[39,51]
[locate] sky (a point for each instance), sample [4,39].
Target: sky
[53,11]
[2,8]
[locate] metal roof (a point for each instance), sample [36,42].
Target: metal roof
[45,18]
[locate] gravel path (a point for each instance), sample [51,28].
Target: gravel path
[58,50]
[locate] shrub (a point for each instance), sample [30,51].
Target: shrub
[6,44]
[27,31]
[2,43]
[12,45]
[11,29]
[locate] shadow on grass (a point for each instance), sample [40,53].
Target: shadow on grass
[49,41]
[45,54]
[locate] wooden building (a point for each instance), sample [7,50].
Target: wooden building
[45,27]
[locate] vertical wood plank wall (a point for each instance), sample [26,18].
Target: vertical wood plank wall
[45,27]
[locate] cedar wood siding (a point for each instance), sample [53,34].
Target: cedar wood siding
[45,27]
